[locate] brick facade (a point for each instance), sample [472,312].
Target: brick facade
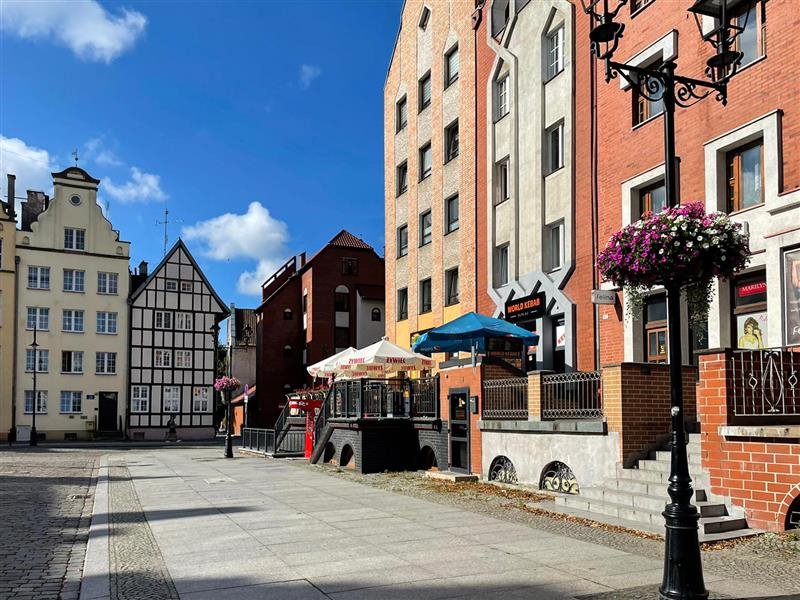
[761,474]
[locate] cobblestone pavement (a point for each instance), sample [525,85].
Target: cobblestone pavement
[45,506]
[137,567]
[757,560]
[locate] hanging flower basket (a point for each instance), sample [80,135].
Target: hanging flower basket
[680,246]
[227,384]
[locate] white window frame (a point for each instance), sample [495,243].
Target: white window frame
[184,321]
[43,358]
[74,238]
[75,361]
[70,320]
[171,394]
[183,359]
[74,276]
[503,185]
[554,53]
[502,104]
[501,279]
[73,395]
[106,319]
[554,163]
[107,283]
[41,317]
[171,285]
[41,402]
[39,276]
[163,319]
[186,287]
[140,399]
[554,260]
[105,363]
[201,399]
[162,358]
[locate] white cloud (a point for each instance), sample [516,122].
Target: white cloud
[84,26]
[94,150]
[308,73]
[141,187]
[31,165]
[255,235]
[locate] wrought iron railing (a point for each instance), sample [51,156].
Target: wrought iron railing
[766,383]
[505,398]
[424,397]
[571,395]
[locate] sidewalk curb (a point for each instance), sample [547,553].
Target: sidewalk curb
[96,581]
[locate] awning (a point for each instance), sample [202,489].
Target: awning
[469,332]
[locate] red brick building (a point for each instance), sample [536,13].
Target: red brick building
[311,309]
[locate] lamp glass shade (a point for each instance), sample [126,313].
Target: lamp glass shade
[713,8]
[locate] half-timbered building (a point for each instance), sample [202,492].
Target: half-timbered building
[175,316]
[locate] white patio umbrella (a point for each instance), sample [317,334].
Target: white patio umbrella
[384,357]
[331,365]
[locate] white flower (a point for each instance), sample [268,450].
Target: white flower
[705,246]
[689,244]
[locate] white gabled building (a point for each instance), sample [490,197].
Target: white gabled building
[174,319]
[72,289]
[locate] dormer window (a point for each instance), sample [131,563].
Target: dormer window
[74,239]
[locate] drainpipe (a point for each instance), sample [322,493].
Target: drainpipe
[14,354]
[476,20]
[595,202]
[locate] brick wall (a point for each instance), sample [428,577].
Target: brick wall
[471,378]
[636,403]
[759,474]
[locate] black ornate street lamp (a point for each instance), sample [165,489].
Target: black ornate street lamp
[34,440]
[683,569]
[247,333]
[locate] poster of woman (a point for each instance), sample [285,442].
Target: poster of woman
[791,278]
[751,331]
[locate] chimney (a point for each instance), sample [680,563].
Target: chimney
[302,259]
[12,193]
[143,268]
[35,205]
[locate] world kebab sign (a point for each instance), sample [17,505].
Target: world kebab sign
[523,310]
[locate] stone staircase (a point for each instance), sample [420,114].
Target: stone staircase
[635,498]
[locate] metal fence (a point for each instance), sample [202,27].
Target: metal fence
[384,398]
[572,395]
[505,398]
[263,440]
[424,394]
[766,383]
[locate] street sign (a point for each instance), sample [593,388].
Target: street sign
[604,297]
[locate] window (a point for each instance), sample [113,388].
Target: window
[652,199]
[425,161]
[501,12]
[163,319]
[402,241]
[163,358]
[451,141]
[41,402]
[554,53]
[425,296]
[376,315]
[451,67]
[183,359]
[750,311]
[184,321]
[74,239]
[287,351]
[107,283]
[349,266]
[105,363]
[554,246]
[402,178]
[425,91]
[341,299]
[106,322]
[401,115]
[425,228]
[744,174]
[501,265]
[200,397]
[555,148]
[287,314]
[171,285]
[424,16]
[655,326]
[140,398]
[42,362]
[71,361]
[39,278]
[186,286]
[341,337]
[402,304]
[305,303]
[72,320]
[639,4]
[750,41]
[451,214]
[74,280]
[451,286]
[645,108]
[172,399]
[502,187]
[501,98]
[71,402]
[38,318]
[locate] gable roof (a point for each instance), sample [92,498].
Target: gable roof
[345,239]
[70,172]
[179,245]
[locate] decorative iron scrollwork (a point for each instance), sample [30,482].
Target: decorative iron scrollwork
[503,470]
[559,478]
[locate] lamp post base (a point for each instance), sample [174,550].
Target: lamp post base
[228,438]
[34,437]
[683,571]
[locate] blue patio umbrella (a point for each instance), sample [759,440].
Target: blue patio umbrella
[468,333]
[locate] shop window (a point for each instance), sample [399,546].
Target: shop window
[652,199]
[791,286]
[402,304]
[745,173]
[655,328]
[750,311]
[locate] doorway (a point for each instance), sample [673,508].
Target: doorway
[459,430]
[107,411]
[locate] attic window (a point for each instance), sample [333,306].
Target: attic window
[287,314]
[423,18]
[349,266]
[287,351]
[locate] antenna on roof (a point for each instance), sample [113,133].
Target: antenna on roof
[166,223]
[75,156]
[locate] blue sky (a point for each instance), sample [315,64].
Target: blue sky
[258,124]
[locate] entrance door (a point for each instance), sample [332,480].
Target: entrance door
[107,411]
[459,430]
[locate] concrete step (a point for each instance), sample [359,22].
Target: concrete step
[665,456]
[625,497]
[650,464]
[722,524]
